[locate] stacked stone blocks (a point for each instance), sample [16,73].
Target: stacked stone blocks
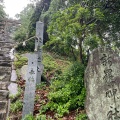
[5,75]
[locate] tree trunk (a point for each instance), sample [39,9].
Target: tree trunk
[80,51]
[73,53]
[42,5]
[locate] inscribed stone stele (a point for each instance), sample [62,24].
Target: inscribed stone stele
[102,81]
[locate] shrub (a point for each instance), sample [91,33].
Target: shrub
[41,117]
[49,62]
[15,107]
[28,117]
[81,117]
[15,97]
[20,61]
[68,92]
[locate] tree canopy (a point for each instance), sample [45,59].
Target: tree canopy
[75,27]
[2,12]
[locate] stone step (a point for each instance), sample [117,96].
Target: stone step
[6,69]
[5,44]
[5,63]
[3,109]
[2,115]
[13,89]
[4,52]
[5,49]
[4,77]
[4,85]
[1,41]
[5,74]
[5,58]
[4,95]
[3,105]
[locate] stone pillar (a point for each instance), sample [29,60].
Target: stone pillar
[5,74]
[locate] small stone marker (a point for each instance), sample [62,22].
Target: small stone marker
[30,86]
[102,80]
[35,69]
[38,48]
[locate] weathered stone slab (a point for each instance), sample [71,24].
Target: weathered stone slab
[102,80]
[4,85]
[5,58]
[5,63]
[3,95]
[13,76]
[5,44]
[3,105]
[2,115]
[30,86]
[5,69]
[13,89]
[5,74]
[4,77]
[5,48]
[3,52]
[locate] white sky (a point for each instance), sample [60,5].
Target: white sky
[12,7]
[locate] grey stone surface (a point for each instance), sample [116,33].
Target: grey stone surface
[4,57]
[39,29]
[13,76]
[2,115]
[5,77]
[3,105]
[102,81]
[34,72]
[13,88]
[4,85]
[5,69]
[23,72]
[38,48]
[30,86]
[5,63]
[5,74]
[3,95]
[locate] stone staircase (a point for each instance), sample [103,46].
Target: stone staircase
[5,75]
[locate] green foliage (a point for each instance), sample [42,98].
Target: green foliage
[68,92]
[15,107]
[21,33]
[39,14]
[2,12]
[92,41]
[81,117]
[25,15]
[38,117]
[54,66]
[41,117]
[14,97]
[49,62]
[69,28]
[28,117]
[41,85]
[20,61]
[30,45]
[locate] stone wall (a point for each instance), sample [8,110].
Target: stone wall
[5,75]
